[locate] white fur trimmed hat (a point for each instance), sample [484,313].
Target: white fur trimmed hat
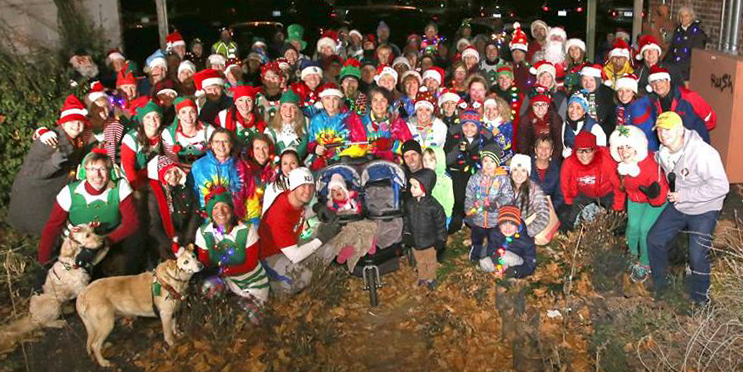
[628,135]
[575,42]
[627,81]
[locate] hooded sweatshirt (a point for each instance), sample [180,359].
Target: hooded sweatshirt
[594,180]
[700,176]
[425,220]
[443,192]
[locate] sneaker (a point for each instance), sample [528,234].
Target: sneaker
[639,273]
[421,282]
[431,284]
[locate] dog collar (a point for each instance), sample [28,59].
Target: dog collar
[157,284]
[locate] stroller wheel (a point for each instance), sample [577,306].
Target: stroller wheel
[372,281]
[411,258]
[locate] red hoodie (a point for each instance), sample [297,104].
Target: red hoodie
[595,180]
[650,172]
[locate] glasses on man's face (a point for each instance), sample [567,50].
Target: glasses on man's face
[585,151]
[96,169]
[541,105]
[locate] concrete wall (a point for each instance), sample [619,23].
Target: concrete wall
[32,22]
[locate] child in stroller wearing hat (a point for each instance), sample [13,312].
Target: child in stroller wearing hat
[341,200]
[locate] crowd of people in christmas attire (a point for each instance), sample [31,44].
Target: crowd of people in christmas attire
[515,138]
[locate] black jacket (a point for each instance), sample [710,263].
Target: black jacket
[606,109]
[467,160]
[425,220]
[211,109]
[184,216]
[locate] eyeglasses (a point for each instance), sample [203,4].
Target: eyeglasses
[584,151]
[541,105]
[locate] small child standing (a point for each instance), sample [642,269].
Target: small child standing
[340,199]
[487,190]
[511,253]
[425,225]
[435,160]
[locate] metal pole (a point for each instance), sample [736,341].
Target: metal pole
[734,26]
[723,33]
[162,21]
[636,20]
[591,29]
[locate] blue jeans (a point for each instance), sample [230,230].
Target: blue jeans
[478,238]
[700,228]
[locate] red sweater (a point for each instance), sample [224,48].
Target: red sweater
[595,180]
[650,172]
[58,220]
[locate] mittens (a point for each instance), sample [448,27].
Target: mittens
[651,191]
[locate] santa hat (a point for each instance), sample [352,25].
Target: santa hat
[647,42]
[627,81]
[435,73]
[535,24]
[329,89]
[186,65]
[463,42]
[310,70]
[125,76]
[401,60]
[657,73]
[207,77]
[575,42]
[174,39]
[72,109]
[620,49]
[216,59]
[470,51]
[272,66]
[355,32]
[521,161]
[490,102]
[557,32]
[329,38]
[385,70]
[239,91]
[424,99]
[96,91]
[336,180]
[544,66]
[628,135]
[518,38]
[157,62]
[594,71]
[115,54]
[540,98]
[448,96]
[413,73]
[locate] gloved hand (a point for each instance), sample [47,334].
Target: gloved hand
[58,158]
[328,230]
[324,214]
[651,191]
[486,265]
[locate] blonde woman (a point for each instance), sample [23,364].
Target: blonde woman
[498,119]
[288,129]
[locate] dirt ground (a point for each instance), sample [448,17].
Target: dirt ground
[578,312]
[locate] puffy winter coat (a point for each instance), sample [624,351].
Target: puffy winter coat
[587,124]
[425,220]
[485,195]
[640,113]
[683,102]
[595,180]
[534,204]
[523,246]
[682,44]
[443,192]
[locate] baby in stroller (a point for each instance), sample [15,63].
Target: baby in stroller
[341,200]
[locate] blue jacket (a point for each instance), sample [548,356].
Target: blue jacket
[641,114]
[551,184]
[685,109]
[522,245]
[569,136]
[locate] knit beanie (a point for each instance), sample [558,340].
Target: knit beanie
[521,161]
[585,140]
[509,213]
[412,145]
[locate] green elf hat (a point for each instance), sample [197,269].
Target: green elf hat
[352,68]
[296,33]
[289,97]
[215,195]
[148,108]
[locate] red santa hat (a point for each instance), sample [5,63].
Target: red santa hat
[544,66]
[425,99]
[216,59]
[239,91]
[627,81]
[657,73]
[412,73]
[115,54]
[207,77]
[309,70]
[329,38]
[72,109]
[273,66]
[174,39]
[575,42]
[385,70]
[471,52]
[647,42]
[557,32]
[620,49]
[622,34]
[540,97]
[96,91]
[449,96]
[186,65]
[518,39]
[595,71]
[329,89]
[435,73]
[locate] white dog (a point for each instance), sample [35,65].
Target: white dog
[149,294]
[64,281]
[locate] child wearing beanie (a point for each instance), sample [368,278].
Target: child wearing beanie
[511,253]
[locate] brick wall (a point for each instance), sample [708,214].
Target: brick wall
[707,11]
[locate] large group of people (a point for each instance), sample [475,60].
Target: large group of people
[222,152]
